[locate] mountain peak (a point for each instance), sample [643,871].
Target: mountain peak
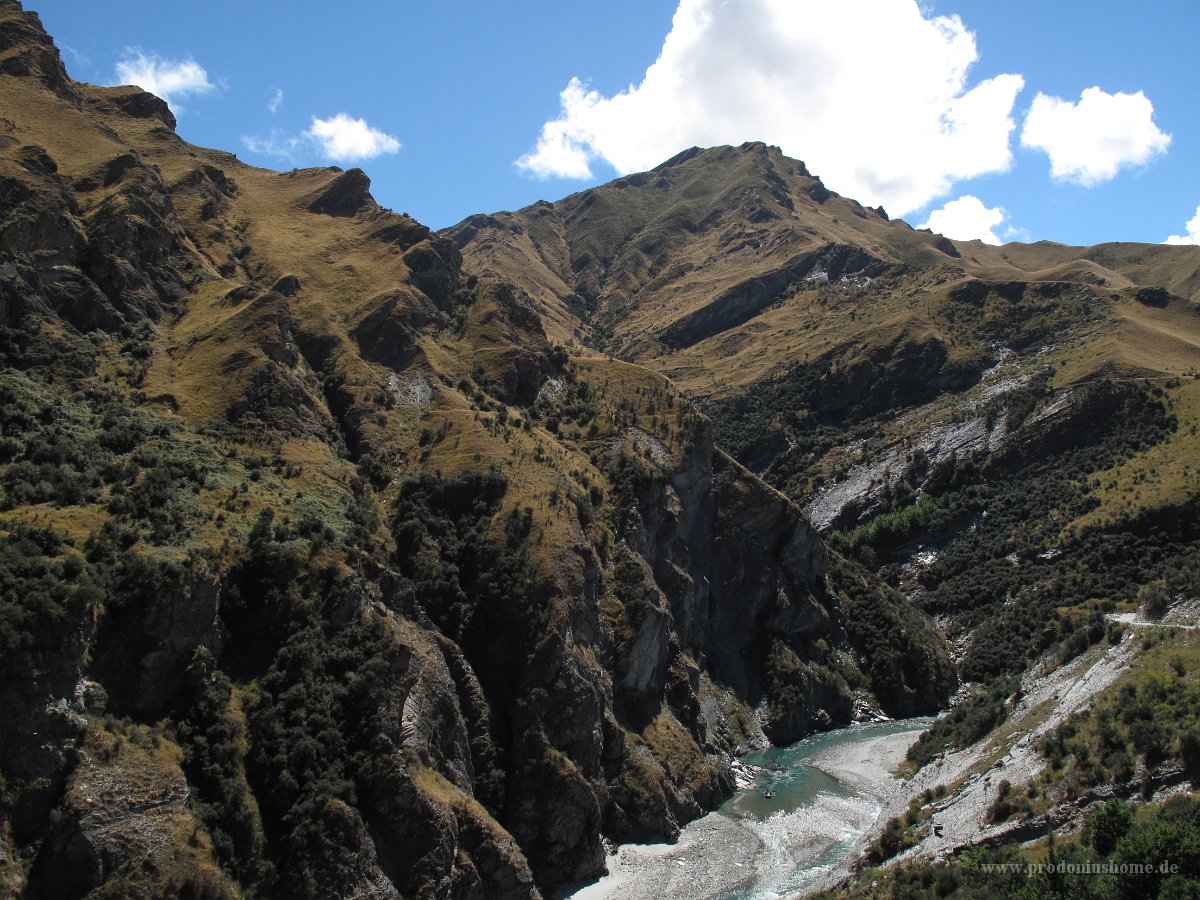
[721,154]
[26,50]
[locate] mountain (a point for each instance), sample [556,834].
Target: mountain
[342,557]
[334,564]
[718,253]
[1005,435]
[733,269]
[937,407]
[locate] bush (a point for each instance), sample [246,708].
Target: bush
[45,589]
[968,722]
[1154,598]
[1108,825]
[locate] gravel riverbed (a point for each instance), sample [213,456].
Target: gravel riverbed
[828,794]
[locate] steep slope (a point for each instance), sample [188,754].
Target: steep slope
[328,570]
[894,383]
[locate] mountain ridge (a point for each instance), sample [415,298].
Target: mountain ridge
[790,208]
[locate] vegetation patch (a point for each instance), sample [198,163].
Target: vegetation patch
[1149,720]
[1153,852]
[969,721]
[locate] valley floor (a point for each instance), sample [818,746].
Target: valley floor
[744,850]
[723,855]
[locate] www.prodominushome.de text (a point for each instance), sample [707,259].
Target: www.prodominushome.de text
[1087,868]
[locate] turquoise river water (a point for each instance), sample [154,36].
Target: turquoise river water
[756,847]
[813,820]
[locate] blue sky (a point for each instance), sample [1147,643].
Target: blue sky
[456,108]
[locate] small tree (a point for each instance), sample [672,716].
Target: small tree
[1154,598]
[1189,748]
[1108,825]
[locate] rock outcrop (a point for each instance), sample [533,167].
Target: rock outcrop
[346,195]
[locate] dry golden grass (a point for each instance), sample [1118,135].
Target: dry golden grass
[77,140]
[781,338]
[74,522]
[1165,476]
[1119,265]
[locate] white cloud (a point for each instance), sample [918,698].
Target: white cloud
[81,59]
[1193,232]
[339,138]
[344,139]
[169,79]
[276,101]
[1090,141]
[967,219]
[872,94]
[277,144]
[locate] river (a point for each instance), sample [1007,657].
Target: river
[827,793]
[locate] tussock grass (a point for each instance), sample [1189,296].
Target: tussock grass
[1164,476]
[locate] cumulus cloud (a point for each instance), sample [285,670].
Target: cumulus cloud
[872,94]
[967,219]
[170,79]
[343,138]
[1090,141]
[1193,232]
[276,101]
[340,138]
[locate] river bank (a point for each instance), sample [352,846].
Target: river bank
[828,793]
